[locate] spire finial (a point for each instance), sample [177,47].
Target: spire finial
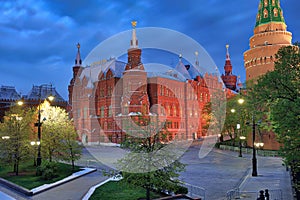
[197,60]
[134,23]
[78,61]
[227,52]
[180,57]
[134,40]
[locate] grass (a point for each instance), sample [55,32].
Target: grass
[27,177]
[121,190]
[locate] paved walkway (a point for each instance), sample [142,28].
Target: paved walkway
[73,190]
[272,175]
[217,173]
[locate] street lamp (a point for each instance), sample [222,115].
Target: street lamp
[242,138]
[33,144]
[39,124]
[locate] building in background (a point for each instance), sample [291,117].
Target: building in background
[104,96]
[9,97]
[270,34]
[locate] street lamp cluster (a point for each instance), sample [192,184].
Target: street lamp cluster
[254,144]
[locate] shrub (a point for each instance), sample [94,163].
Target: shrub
[48,170]
[181,190]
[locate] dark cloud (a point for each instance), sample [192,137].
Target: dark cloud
[38,38]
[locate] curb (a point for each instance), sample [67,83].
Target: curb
[45,187]
[92,189]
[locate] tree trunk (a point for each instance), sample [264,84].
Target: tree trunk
[148,193]
[17,168]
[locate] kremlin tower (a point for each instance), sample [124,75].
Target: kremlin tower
[229,79]
[270,34]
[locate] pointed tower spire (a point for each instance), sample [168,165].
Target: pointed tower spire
[134,53]
[269,11]
[134,40]
[78,61]
[228,66]
[229,79]
[270,34]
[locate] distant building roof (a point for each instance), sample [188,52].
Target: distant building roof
[9,93]
[43,92]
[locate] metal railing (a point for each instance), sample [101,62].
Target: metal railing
[195,191]
[252,195]
[261,152]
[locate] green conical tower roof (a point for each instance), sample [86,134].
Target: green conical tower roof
[269,11]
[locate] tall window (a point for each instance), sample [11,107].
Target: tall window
[266,3]
[110,111]
[102,111]
[175,110]
[85,113]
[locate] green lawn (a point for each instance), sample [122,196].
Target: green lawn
[27,177]
[120,190]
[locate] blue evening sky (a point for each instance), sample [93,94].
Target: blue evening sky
[39,37]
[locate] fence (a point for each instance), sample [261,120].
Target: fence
[260,152]
[195,191]
[252,195]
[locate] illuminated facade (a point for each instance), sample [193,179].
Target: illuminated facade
[103,96]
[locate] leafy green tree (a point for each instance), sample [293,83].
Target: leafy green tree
[237,112]
[214,113]
[71,148]
[58,135]
[150,162]
[278,93]
[16,131]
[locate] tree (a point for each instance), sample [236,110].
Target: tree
[17,130]
[58,135]
[151,163]
[71,148]
[214,113]
[278,93]
[237,113]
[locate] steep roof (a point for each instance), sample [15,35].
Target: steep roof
[269,11]
[43,92]
[9,93]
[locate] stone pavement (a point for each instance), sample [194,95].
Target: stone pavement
[218,172]
[272,175]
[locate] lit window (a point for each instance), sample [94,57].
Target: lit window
[275,11]
[266,3]
[273,2]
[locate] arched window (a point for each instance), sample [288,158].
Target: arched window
[266,3]
[174,110]
[168,110]
[273,2]
[265,13]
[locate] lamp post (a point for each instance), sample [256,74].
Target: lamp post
[242,138]
[39,124]
[254,160]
